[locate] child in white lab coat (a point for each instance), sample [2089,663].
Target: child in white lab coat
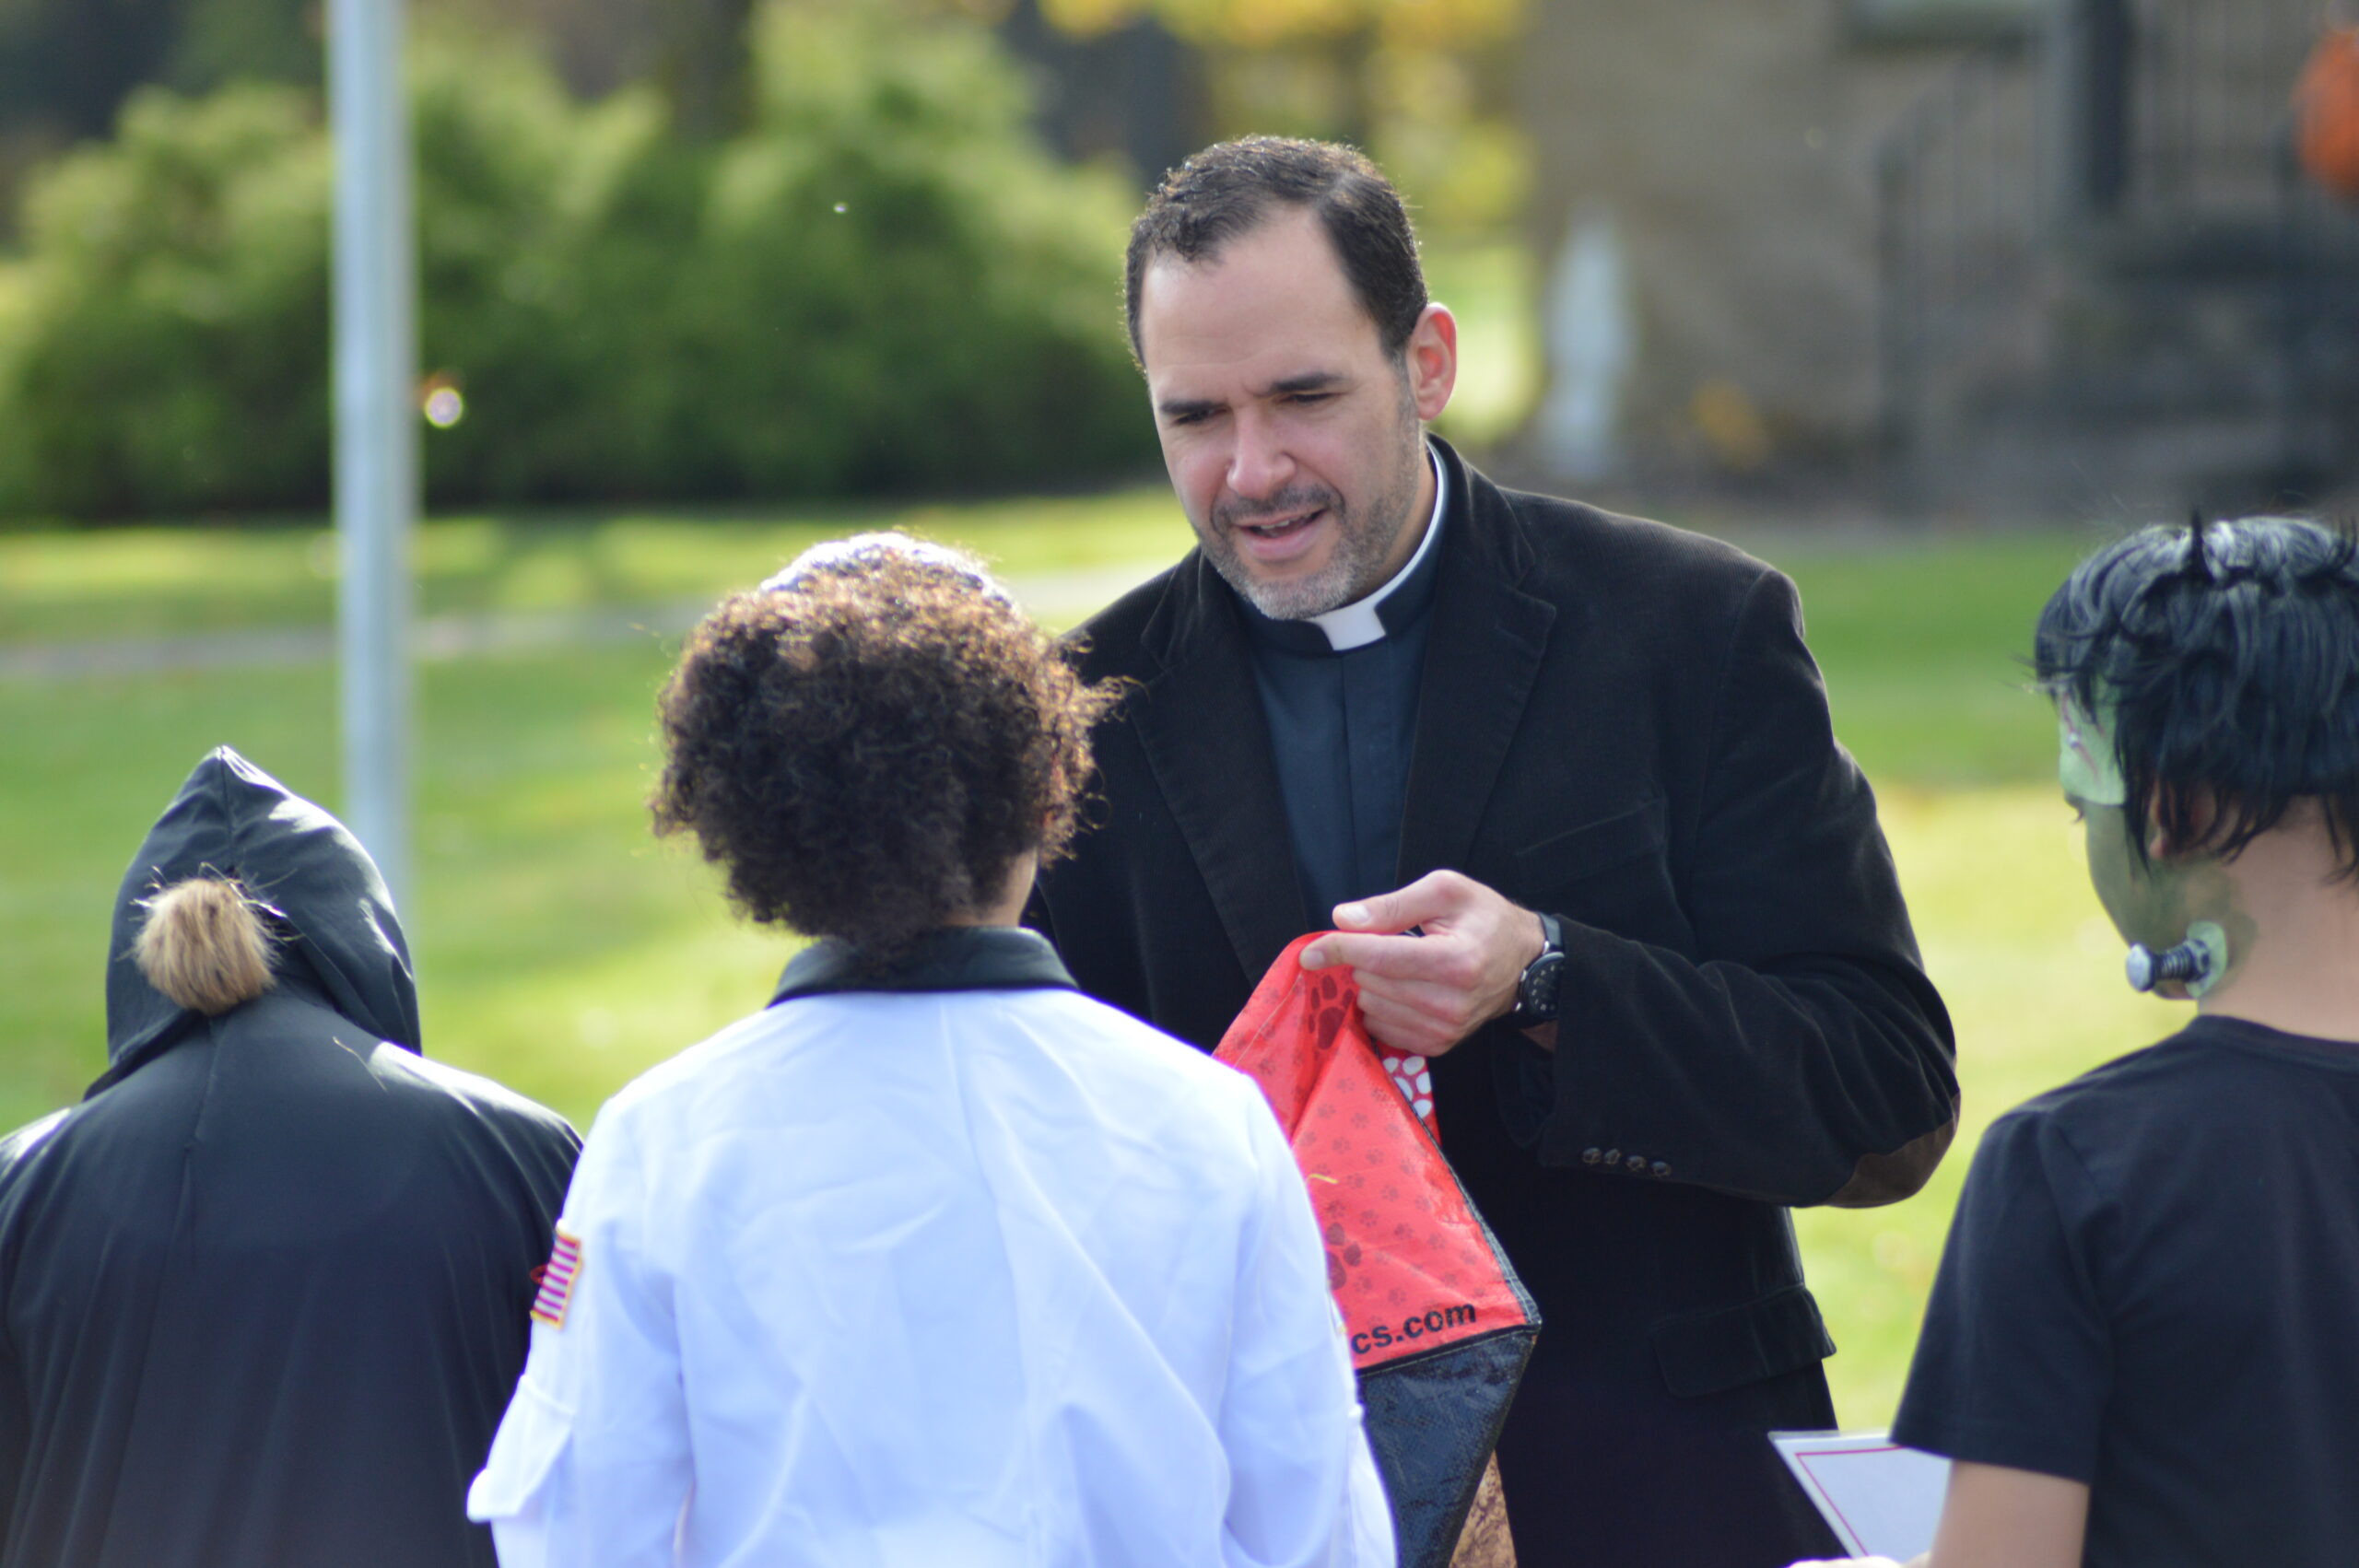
[933,1260]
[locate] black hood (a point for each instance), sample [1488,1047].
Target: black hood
[334,916]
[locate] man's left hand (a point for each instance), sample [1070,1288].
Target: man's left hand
[1423,994]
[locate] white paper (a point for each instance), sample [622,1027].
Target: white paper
[1881,1500]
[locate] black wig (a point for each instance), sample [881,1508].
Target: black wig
[2225,660]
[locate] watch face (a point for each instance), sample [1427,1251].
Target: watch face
[1535,999]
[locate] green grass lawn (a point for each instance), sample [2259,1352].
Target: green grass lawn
[163,581]
[562,950]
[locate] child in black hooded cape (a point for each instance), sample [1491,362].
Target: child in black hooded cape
[264,1289]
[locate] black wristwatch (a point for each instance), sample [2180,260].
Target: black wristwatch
[1535,991]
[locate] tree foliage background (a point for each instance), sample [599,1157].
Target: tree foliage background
[681,249]
[1420,83]
[871,277]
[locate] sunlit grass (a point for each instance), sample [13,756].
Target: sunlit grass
[563,949]
[160,581]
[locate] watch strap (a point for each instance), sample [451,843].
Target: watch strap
[1535,989]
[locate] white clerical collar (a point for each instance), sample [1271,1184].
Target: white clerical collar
[1357,624]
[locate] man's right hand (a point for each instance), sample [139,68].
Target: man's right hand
[1423,994]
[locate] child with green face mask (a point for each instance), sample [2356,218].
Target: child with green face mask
[2144,1344]
[2150,898]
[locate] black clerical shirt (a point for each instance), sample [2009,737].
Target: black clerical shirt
[1341,722]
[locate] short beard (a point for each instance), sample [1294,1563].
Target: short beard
[1362,541]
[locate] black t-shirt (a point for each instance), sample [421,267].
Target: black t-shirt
[2153,1286]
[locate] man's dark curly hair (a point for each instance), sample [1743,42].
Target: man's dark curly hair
[867,742]
[1228,190]
[2225,660]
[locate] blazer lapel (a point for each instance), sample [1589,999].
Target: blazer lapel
[1482,656]
[1207,741]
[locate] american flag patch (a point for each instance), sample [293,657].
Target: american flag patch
[556,1276]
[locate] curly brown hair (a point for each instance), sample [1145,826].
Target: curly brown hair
[868,742]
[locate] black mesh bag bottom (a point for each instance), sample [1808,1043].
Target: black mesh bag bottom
[1433,1421]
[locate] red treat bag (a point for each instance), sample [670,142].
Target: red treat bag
[1441,1327]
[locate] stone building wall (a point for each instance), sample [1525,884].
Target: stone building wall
[1730,145]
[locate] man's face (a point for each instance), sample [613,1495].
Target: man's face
[1293,440]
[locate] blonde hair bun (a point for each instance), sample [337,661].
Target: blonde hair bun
[204,945]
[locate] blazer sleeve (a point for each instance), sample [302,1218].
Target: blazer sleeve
[15,1438]
[1800,1055]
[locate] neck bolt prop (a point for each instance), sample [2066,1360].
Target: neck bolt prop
[2190,963]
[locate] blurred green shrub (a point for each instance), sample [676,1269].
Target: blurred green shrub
[164,349]
[881,283]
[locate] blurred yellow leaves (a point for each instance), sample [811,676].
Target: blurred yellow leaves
[1088,19]
[1415,83]
[1270,24]
[1730,424]
[1446,24]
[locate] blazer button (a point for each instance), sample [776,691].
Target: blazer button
[1637,1163]
[1614,1157]
[1590,1156]
[1662,1169]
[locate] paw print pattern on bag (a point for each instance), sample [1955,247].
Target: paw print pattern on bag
[1342,1255]
[1438,1325]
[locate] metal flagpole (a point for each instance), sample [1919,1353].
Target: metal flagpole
[376,429]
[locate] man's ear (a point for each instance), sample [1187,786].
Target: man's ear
[1432,360]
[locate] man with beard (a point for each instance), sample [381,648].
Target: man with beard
[1614,900]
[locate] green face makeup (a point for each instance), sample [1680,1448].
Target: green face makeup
[2154,903]
[2084,763]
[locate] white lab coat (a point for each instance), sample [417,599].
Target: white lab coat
[946,1279]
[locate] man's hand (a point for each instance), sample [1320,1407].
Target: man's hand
[1424,994]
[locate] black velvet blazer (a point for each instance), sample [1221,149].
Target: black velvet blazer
[1618,722]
